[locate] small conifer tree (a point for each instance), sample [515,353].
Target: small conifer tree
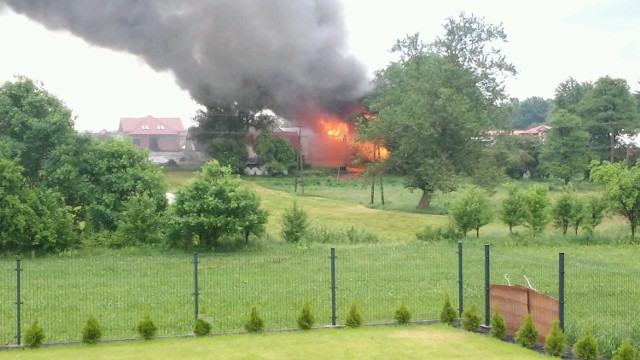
[402,315]
[147,328]
[471,319]
[626,352]
[586,347]
[498,325]
[34,335]
[527,334]
[295,222]
[91,332]
[448,315]
[201,327]
[305,319]
[355,318]
[556,341]
[255,323]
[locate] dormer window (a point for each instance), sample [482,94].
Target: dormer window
[145,127]
[160,127]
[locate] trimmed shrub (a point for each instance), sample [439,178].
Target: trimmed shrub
[34,335]
[586,348]
[355,318]
[305,319]
[402,315]
[147,328]
[471,319]
[626,352]
[91,332]
[527,334]
[498,325]
[255,323]
[448,315]
[201,328]
[556,341]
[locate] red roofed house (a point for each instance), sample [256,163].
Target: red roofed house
[155,134]
[539,130]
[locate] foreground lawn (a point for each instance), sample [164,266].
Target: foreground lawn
[430,342]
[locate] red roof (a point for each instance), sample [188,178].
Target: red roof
[150,125]
[533,131]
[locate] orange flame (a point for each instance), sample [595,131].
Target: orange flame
[334,127]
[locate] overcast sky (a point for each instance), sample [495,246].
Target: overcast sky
[549,41]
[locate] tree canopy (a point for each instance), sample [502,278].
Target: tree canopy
[565,152]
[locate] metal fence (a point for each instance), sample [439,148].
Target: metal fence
[119,290]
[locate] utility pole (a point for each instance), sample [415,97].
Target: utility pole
[299,165]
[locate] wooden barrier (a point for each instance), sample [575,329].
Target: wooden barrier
[515,302]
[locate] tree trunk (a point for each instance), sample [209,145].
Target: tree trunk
[425,200]
[477,233]
[510,229]
[612,155]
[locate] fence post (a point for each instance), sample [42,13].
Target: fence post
[460,295]
[561,290]
[195,283]
[333,286]
[487,287]
[18,303]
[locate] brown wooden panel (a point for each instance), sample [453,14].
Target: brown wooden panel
[544,311]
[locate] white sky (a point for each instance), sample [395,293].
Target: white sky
[549,41]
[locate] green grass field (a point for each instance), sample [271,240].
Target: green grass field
[119,287]
[424,342]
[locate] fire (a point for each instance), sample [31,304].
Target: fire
[334,127]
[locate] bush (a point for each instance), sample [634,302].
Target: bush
[34,336]
[448,315]
[147,328]
[471,319]
[402,315]
[294,224]
[586,348]
[626,352]
[91,333]
[527,334]
[471,211]
[305,319]
[355,318]
[498,325]
[255,323]
[448,233]
[201,328]
[556,341]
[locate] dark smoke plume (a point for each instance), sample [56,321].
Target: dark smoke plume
[256,52]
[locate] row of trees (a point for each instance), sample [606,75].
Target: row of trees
[58,188]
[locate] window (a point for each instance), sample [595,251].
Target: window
[145,127]
[160,127]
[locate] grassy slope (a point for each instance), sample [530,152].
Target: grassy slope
[433,342]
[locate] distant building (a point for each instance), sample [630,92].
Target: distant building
[155,134]
[539,131]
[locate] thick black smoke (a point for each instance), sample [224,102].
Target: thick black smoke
[255,52]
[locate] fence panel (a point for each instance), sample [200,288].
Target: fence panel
[379,281]
[7,302]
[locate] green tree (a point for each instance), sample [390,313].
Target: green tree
[536,204]
[562,211]
[595,209]
[532,111]
[213,205]
[34,122]
[471,210]
[556,342]
[141,224]
[569,95]
[294,223]
[513,211]
[276,153]
[621,186]
[565,153]
[626,351]
[609,110]
[519,155]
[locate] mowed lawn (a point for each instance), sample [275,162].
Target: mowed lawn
[413,342]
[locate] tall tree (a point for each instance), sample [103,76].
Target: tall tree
[569,95]
[610,111]
[531,111]
[33,122]
[565,152]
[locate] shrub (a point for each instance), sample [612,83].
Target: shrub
[147,328]
[305,319]
[402,315]
[446,233]
[202,327]
[255,323]
[471,211]
[586,347]
[498,325]
[535,208]
[471,319]
[355,318]
[34,335]
[556,341]
[294,224]
[448,315]
[626,352]
[91,333]
[527,334]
